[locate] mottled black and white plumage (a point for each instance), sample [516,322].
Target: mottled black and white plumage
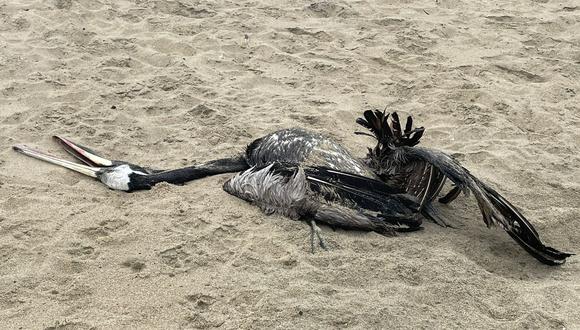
[308,176]
[299,146]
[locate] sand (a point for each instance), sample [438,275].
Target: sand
[167,84]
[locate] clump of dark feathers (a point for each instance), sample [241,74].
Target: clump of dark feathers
[389,136]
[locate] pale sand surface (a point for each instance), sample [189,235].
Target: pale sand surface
[496,83]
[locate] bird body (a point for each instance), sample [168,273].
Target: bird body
[309,176]
[300,146]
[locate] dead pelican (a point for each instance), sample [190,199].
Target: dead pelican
[308,176]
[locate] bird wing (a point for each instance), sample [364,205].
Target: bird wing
[423,180]
[332,197]
[496,210]
[364,194]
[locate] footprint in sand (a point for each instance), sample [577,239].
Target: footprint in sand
[175,257]
[105,228]
[135,264]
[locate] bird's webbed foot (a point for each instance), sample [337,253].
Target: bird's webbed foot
[316,231]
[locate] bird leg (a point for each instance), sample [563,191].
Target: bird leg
[315,230]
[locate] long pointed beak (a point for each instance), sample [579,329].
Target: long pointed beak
[83,154]
[83,169]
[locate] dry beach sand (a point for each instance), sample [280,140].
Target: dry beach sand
[171,83]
